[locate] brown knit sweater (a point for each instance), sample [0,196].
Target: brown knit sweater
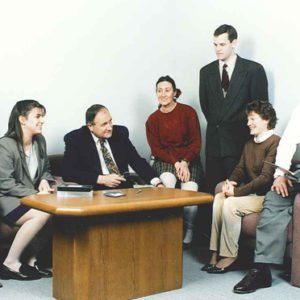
[251,174]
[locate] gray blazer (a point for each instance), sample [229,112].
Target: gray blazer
[15,180]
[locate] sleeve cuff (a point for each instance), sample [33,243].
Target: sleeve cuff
[155,181]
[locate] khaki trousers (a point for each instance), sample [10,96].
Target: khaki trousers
[227,221]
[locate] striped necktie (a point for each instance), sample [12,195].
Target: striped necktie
[110,164]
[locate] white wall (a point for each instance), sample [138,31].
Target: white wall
[69,54]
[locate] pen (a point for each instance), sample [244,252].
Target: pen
[138,191]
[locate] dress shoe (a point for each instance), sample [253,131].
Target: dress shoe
[217,270]
[1,285]
[25,273]
[207,267]
[255,279]
[43,272]
[286,275]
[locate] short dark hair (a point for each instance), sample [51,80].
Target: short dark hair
[232,33]
[172,81]
[92,111]
[265,110]
[21,108]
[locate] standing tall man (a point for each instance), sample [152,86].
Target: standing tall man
[226,87]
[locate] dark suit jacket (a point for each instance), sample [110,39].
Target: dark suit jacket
[81,161]
[227,129]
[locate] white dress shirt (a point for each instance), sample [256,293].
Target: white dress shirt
[102,161]
[288,143]
[230,66]
[154,181]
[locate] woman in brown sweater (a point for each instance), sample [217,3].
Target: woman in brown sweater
[173,133]
[243,192]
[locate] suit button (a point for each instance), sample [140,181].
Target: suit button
[218,126]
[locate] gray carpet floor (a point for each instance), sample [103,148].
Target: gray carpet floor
[196,285]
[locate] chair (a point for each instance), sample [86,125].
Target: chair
[248,235]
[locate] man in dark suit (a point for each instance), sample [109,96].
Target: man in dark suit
[226,86]
[99,154]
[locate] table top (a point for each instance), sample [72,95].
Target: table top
[99,204]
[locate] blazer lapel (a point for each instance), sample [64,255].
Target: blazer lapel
[238,76]
[91,147]
[216,88]
[114,146]
[215,81]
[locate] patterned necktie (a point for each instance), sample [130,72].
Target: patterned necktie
[225,79]
[110,164]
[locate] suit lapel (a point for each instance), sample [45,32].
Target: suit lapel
[39,159]
[215,88]
[238,76]
[115,149]
[92,149]
[215,81]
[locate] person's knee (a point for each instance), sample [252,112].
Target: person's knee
[41,217]
[189,186]
[168,179]
[218,201]
[229,207]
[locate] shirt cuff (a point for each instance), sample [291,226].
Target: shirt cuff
[155,181]
[278,173]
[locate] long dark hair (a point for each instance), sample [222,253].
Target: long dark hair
[21,108]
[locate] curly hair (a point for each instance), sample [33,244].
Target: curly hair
[265,110]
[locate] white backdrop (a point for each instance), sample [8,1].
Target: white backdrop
[69,54]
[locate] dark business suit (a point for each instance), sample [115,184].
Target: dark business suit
[227,129]
[81,161]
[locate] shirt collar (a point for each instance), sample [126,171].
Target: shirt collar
[97,140]
[263,136]
[230,62]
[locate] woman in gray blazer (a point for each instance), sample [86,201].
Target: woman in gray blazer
[24,170]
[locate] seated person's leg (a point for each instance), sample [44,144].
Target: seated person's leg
[30,224]
[168,179]
[190,212]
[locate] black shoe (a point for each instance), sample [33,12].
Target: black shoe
[255,279]
[286,275]
[217,270]
[1,285]
[43,272]
[207,267]
[25,273]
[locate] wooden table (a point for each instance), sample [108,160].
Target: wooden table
[117,248]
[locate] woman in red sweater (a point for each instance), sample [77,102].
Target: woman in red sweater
[174,136]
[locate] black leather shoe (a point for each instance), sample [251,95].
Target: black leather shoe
[25,273]
[43,272]
[255,279]
[286,275]
[216,270]
[207,267]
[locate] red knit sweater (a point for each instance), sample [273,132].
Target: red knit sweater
[175,135]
